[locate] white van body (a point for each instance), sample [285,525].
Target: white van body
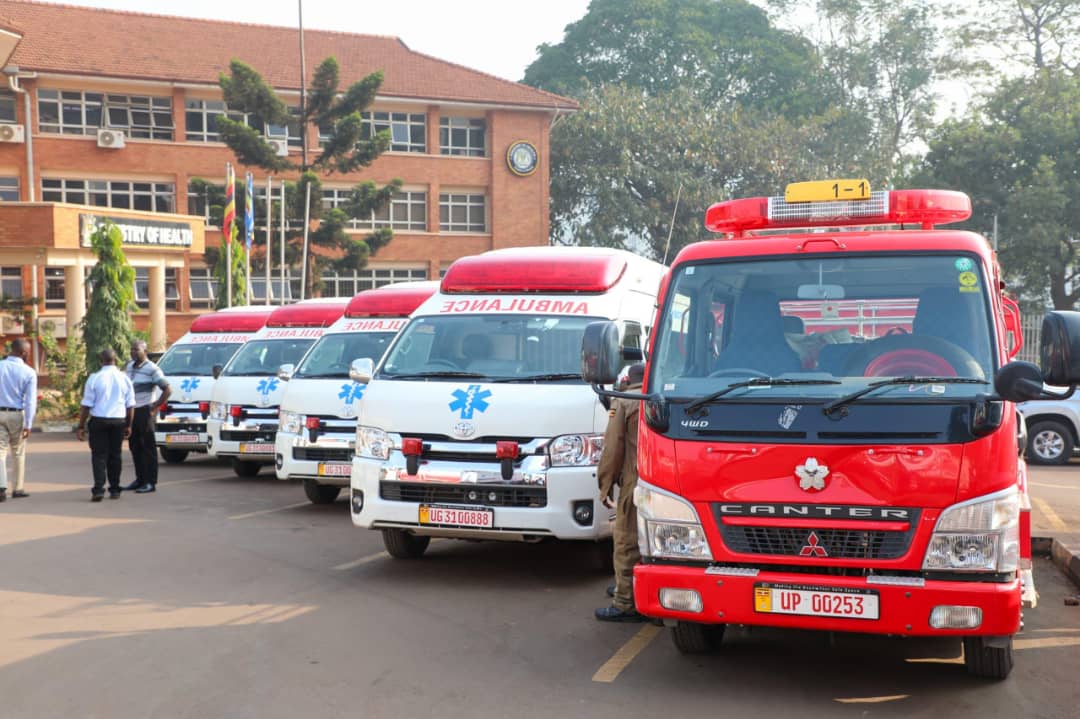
[516,353]
[317,434]
[244,405]
[188,366]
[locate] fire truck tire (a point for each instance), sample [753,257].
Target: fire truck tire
[694,638]
[871,353]
[173,456]
[245,468]
[320,493]
[984,660]
[1049,442]
[402,545]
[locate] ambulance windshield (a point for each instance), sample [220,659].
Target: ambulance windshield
[845,322]
[196,358]
[332,354]
[492,346]
[263,357]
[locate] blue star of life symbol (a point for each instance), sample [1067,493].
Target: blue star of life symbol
[469,400]
[351,391]
[189,384]
[267,386]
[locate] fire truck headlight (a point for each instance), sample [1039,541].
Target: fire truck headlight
[980,535]
[218,410]
[290,422]
[576,450]
[668,526]
[373,443]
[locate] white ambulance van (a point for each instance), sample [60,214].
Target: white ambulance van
[477,424]
[192,365]
[316,436]
[244,405]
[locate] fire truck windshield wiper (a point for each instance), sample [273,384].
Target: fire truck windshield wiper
[753,382]
[839,402]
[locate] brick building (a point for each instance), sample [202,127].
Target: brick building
[107,113]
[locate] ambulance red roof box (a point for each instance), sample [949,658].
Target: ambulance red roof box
[236,319]
[543,271]
[322,312]
[399,300]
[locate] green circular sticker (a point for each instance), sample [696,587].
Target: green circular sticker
[963,264]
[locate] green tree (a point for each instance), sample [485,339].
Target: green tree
[348,146]
[107,323]
[1029,34]
[222,267]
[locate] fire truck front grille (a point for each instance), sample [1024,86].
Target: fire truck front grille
[480,494]
[834,543]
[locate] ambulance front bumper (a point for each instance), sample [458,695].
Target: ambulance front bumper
[552,503]
[328,460]
[182,433]
[910,606]
[249,442]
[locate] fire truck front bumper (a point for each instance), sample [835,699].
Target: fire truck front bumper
[877,604]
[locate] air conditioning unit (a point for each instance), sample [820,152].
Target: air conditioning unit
[112,139]
[11,133]
[59,326]
[281,147]
[11,325]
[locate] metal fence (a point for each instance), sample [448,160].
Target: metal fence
[1031,326]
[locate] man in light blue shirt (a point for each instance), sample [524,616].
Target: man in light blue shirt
[109,403]
[18,401]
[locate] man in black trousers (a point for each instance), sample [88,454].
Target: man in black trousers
[109,404]
[147,378]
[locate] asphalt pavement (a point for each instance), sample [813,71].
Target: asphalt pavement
[226,597]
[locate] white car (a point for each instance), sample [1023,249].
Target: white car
[1053,429]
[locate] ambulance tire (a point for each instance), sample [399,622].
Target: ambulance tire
[173,456]
[694,638]
[320,493]
[245,468]
[1049,442]
[962,361]
[981,659]
[402,545]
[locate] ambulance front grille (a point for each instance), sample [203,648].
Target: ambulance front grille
[478,494]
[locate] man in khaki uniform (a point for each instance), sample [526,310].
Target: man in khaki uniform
[618,467]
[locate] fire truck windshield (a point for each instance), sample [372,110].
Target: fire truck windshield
[829,325]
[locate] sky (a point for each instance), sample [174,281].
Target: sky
[498,37]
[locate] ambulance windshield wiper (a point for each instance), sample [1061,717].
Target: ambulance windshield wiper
[839,402]
[436,373]
[550,377]
[753,382]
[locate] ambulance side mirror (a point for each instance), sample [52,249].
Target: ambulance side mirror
[1059,348]
[216,371]
[601,355]
[285,372]
[361,370]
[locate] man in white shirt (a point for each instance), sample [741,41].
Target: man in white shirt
[18,401]
[109,403]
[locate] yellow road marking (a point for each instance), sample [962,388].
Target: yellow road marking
[622,658]
[1051,516]
[270,511]
[872,700]
[360,562]
[1056,486]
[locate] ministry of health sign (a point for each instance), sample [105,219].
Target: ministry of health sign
[139,233]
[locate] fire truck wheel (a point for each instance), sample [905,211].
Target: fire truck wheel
[693,638]
[911,355]
[320,493]
[173,456]
[245,468]
[1049,442]
[402,545]
[982,659]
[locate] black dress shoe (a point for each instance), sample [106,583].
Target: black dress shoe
[18,493]
[131,487]
[610,590]
[146,489]
[3,495]
[612,614]
[114,495]
[96,497]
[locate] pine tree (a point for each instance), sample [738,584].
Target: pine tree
[107,323]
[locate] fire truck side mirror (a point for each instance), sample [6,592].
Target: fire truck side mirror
[1059,348]
[601,356]
[1022,381]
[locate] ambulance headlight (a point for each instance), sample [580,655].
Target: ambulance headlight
[668,526]
[373,443]
[576,450]
[218,410]
[290,422]
[980,535]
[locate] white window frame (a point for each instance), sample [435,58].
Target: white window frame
[162,195]
[447,127]
[87,102]
[159,112]
[11,277]
[400,124]
[9,189]
[410,203]
[473,203]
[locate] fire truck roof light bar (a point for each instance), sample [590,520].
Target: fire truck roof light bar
[926,208]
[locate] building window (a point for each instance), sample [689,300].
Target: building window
[462,136]
[7,107]
[258,290]
[407,210]
[202,287]
[198,203]
[408,131]
[462,212]
[291,223]
[202,118]
[142,288]
[54,288]
[146,196]
[150,118]
[11,282]
[347,285]
[69,112]
[9,189]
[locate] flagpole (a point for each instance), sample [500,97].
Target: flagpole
[281,248]
[307,222]
[249,232]
[269,216]
[228,233]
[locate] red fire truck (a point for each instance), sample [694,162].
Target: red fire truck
[828,438]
